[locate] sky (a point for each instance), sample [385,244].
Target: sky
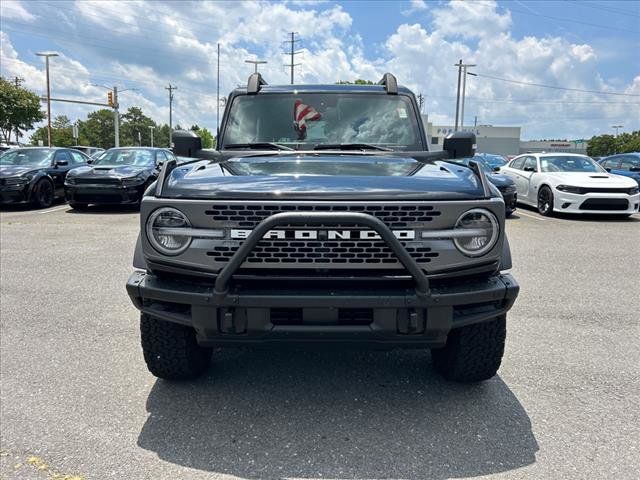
[588,51]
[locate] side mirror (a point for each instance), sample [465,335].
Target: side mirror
[460,145]
[634,169]
[607,169]
[186,143]
[61,163]
[529,169]
[90,161]
[496,169]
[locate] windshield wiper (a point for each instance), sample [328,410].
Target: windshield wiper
[350,146]
[258,145]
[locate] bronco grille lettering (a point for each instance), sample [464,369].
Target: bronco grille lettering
[241,234]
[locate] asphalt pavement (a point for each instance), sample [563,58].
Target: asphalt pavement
[76,400]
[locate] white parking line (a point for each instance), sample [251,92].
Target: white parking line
[61,207]
[520,212]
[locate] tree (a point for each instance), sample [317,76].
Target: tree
[358,81]
[135,121]
[61,133]
[19,109]
[603,145]
[161,136]
[207,138]
[98,129]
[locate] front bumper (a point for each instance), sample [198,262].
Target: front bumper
[313,313]
[596,203]
[9,195]
[510,198]
[104,194]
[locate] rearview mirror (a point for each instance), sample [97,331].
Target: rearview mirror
[634,169]
[460,145]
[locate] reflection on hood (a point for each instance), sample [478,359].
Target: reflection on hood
[16,170]
[109,171]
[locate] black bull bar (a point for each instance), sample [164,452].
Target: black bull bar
[221,287]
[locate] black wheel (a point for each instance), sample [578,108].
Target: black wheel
[78,206]
[42,195]
[472,353]
[171,350]
[545,201]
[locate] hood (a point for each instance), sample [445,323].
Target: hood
[16,170]
[335,176]
[499,179]
[122,171]
[592,179]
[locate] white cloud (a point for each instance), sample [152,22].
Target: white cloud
[13,9]
[147,45]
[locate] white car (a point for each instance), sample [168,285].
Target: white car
[571,183]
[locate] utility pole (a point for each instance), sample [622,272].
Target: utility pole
[420,101]
[46,56]
[116,117]
[171,88]
[218,99]
[17,81]
[475,121]
[151,127]
[464,91]
[293,53]
[256,63]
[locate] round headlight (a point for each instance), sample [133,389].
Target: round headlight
[161,231]
[479,230]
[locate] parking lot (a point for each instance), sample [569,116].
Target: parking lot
[77,400]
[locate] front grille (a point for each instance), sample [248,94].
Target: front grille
[97,198]
[395,216]
[370,252]
[98,181]
[585,190]
[608,204]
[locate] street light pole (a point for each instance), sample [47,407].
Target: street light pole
[615,148]
[256,63]
[464,91]
[151,127]
[46,56]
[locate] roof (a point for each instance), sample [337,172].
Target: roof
[329,87]
[555,154]
[137,148]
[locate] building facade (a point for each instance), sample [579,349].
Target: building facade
[489,139]
[565,146]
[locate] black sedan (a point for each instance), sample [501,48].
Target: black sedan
[491,165]
[118,176]
[36,175]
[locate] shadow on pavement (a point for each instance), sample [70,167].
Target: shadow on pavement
[338,414]
[106,209]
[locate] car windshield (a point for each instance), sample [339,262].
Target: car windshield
[566,163]
[39,157]
[308,120]
[490,161]
[139,158]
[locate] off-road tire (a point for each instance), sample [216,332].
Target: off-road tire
[171,350]
[42,195]
[545,201]
[472,353]
[78,206]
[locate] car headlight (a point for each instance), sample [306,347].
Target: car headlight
[570,189]
[477,232]
[133,181]
[70,180]
[634,190]
[163,231]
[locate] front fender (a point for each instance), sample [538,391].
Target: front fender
[138,258]
[505,258]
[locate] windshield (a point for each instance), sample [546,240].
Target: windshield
[307,120]
[567,163]
[138,158]
[490,161]
[34,157]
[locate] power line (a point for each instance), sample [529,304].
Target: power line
[608,8]
[555,87]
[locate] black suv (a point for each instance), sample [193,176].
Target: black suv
[322,219]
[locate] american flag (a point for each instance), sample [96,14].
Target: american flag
[301,115]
